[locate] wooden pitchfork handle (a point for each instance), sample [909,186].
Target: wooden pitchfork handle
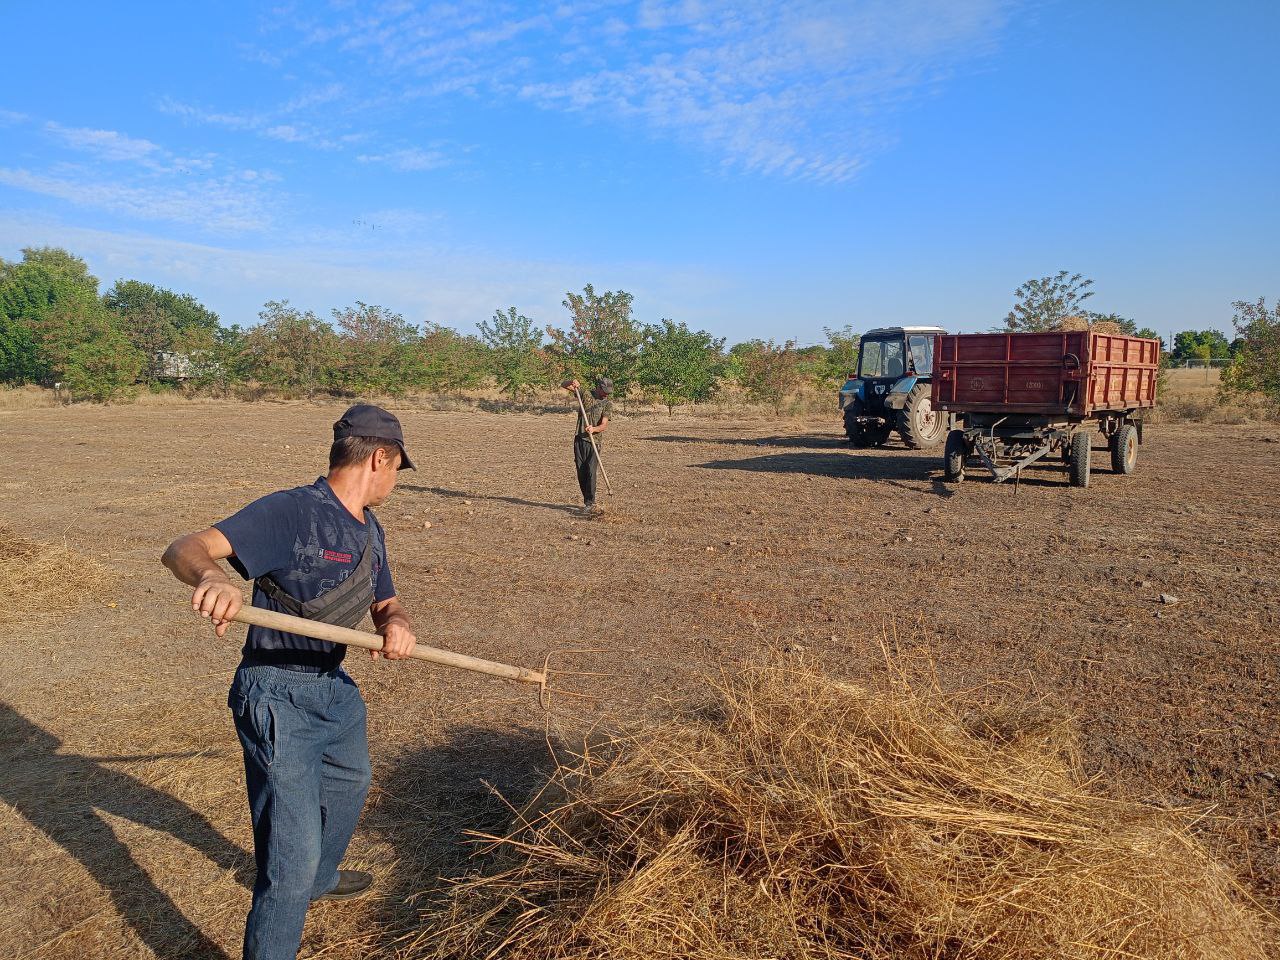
[586,423]
[372,641]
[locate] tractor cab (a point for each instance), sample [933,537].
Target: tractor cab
[890,389]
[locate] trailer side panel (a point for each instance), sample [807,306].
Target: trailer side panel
[1075,373]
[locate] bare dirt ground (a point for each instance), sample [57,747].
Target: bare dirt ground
[123,828]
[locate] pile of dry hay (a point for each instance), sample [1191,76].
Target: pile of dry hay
[1077,324]
[797,817]
[41,580]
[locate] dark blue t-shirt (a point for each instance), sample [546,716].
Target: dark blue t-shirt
[309,543]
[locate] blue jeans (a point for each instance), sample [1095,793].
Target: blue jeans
[306,763]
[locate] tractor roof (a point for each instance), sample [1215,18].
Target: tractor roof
[889,331]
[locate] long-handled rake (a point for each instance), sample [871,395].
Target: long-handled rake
[586,422]
[317,630]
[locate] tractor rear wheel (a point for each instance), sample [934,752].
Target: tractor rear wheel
[1124,449]
[920,425]
[954,455]
[1078,465]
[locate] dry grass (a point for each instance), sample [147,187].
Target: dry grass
[797,817]
[39,581]
[26,398]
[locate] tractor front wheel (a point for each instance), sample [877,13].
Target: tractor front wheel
[853,427]
[921,426]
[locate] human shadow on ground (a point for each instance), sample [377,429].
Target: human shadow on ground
[60,794]
[427,804]
[464,495]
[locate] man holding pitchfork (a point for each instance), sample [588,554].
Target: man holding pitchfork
[593,420]
[316,552]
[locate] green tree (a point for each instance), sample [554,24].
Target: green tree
[182,310]
[218,358]
[1255,367]
[29,291]
[602,339]
[841,356]
[770,372]
[1201,345]
[515,351]
[158,322]
[83,347]
[680,365]
[1044,304]
[290,350]
[374,349]
[444,361]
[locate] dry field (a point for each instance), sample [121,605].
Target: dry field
[123,829]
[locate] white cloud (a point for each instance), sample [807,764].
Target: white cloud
[408,160]
[220,204]
[797,90]
[105,144]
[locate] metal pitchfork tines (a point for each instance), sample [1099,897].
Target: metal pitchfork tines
[545,690]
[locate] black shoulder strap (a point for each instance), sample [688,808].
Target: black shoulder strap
[345,605]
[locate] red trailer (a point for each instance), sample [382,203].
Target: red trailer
[1018,397]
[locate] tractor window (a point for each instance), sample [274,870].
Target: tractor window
[922,355]
[881,358]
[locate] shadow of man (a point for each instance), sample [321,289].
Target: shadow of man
[431,801]
[464,495]
[61,795]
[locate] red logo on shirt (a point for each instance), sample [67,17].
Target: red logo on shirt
[337,557]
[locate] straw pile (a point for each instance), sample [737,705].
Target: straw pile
[1078,324]
[38,580]
[796,817]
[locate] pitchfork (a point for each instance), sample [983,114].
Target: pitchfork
[317,630]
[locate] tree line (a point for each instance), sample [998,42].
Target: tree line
[56,328]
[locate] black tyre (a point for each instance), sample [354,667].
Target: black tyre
[854,430]
[954,455]
[919,424]
[879,434]
[1078,465]
[1124,449]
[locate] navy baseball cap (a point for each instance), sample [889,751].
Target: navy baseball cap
[367,420]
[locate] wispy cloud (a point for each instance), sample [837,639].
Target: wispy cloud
[407,160]
[798,90]
[105,144]
[108,170]
[225,204]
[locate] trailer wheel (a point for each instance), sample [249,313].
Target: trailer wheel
[954,455]
[920,425]
[1124,449]
[1078,465]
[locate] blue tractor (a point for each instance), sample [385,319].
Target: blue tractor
[891,389]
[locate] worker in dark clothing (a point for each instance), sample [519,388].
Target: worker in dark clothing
[598,408]
[317,552]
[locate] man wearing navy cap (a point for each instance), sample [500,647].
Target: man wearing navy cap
[318,552]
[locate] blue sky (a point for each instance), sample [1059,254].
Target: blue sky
[753,169]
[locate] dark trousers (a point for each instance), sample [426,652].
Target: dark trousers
[584,459]
[306,761]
